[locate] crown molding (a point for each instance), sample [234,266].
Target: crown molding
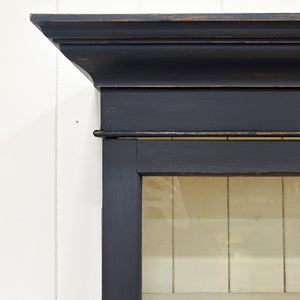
[179,50]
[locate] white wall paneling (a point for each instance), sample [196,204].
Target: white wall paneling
[188,6]
[257,6]
[79,186]
[27,160]
[99,6]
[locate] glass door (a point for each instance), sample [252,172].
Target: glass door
[220,238]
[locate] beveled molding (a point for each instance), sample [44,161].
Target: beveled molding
[189,50]
[180,75]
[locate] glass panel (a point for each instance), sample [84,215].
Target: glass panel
[208,238]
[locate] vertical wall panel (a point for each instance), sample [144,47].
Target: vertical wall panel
[292,232]
[200,234]
[189,6]
[256,234]
[267,6]
[27,155]
[157,262]
[99,7]
[79,186]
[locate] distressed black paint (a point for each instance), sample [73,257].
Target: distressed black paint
[196,112]
[196,157]
[122,198]
[180,50]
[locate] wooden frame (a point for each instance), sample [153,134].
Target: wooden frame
[171,112]
[218,74]
[126,160]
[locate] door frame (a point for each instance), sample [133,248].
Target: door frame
[125,161]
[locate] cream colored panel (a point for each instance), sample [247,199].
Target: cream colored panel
[200,234]
[223,296]
[292,232]
[256,234]
[157,261]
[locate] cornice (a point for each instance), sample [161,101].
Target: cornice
[180,50]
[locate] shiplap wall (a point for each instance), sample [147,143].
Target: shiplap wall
[220,235]
[50,196]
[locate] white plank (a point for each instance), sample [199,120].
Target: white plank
[223,296]
[189,6]
[27,143]
[256,234]
[157,263]
[79,186]
[99,7]
[200,234]
[292,232]
[267,6]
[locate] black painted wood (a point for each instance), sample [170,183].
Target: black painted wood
[124,161]
[188,65]
[180,157]
[193,134]
[180,50]
[165,27]
[121,221]
[199,112]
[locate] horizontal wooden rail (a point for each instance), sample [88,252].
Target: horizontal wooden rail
[219,157]
[190,112]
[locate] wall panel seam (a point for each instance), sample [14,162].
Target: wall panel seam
[56,176]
